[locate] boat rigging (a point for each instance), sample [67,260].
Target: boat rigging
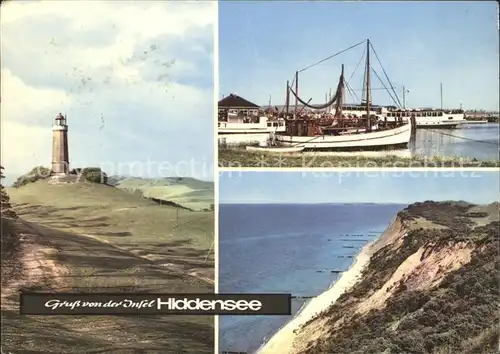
[338,125]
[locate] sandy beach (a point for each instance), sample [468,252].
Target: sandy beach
[283,341]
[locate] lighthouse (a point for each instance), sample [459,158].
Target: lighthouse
[60,156]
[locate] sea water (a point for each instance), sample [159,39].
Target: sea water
[288,248]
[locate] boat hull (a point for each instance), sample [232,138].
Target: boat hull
[379,140]
[286,150]
[476,122]
[439,125]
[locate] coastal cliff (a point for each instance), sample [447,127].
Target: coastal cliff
[427,285]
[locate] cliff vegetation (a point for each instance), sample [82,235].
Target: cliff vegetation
[430,287]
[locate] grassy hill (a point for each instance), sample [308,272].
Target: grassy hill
[96,238]
[186,192]
[430,286]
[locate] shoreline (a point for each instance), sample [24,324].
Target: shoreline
[283,340]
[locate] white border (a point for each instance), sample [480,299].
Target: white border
[216,168]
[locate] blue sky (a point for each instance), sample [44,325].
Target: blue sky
[420,44]
[358,187]
[136,82]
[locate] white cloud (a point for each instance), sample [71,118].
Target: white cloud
[24,146]
[134,75]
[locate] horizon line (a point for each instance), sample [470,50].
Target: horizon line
[344,203]
[308,203]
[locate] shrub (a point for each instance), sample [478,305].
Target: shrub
[89,174]
[34,175]
[5,206]
[93,175]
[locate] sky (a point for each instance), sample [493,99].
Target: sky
[479,187]
[135,79]
[420,45]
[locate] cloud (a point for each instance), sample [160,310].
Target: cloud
[134,78]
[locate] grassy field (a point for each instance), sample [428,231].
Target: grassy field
[239,157]
[96,238]
[187,192]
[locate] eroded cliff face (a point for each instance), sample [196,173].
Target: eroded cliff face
[430,286]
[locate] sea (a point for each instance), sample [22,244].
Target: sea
[288,248]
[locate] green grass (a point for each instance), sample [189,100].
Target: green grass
[187,192]
[236,158]
[112,215]
[110,240]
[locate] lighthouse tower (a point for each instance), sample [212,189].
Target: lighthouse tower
[60,156]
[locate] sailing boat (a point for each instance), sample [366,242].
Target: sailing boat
[362,128]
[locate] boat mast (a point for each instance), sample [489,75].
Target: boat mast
[287,99]
[441,89]
[404,98]
[367,88]
[340,101]
[296,93]
[329,98]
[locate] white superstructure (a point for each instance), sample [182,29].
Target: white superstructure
[430,118]
[240,126]
[424,118]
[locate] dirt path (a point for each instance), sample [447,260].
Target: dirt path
[36,266]
[52,259]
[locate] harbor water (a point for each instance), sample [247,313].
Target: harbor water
[288,248]
[479,141]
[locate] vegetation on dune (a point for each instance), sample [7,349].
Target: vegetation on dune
[460,315]
[449,214]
